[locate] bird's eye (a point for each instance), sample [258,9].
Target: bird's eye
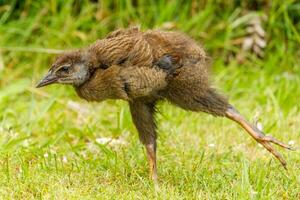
[65,69]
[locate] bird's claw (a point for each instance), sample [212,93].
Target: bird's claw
[271,139]
[266,140]
[258,135]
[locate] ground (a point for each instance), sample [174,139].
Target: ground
[51,142]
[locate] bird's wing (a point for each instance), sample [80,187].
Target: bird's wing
[124,50]
[179,47]
[142,81]
[120,32]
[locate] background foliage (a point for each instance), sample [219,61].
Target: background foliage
[50,141]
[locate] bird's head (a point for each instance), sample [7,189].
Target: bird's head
[72,68]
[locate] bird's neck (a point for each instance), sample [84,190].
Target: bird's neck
[102,85]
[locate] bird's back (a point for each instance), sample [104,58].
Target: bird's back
[134,47]
[179,46]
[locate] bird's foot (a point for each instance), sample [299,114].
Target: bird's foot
[266,140]
[259,136]
[156,185]
[270,139]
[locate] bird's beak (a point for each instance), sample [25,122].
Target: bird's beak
[47,80]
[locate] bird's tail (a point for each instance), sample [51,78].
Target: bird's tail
[206,100]
[212,102]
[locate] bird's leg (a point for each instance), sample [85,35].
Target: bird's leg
[151,155]
[259,136]
[143,118]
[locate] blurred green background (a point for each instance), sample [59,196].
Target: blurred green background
[51,141]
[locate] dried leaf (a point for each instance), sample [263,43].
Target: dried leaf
[80,35]
[291,142]
[79,108]
[168,25]
[250,30]
[260,41]
[259,30]
[111,141]
[254,41]
[247,43]
[258,51]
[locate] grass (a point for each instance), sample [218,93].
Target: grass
[48,147]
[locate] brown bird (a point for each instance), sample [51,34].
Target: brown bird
[144,68]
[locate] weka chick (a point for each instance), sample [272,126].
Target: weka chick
[143,68]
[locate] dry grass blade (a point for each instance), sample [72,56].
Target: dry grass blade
[32,49]
[1,62]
